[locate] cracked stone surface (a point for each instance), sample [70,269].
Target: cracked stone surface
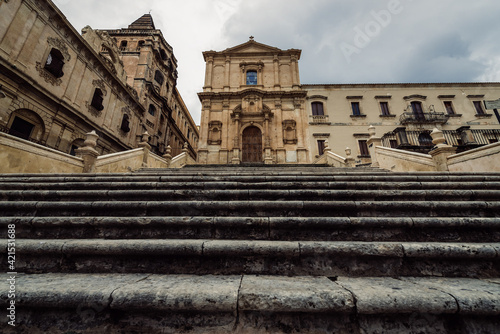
[293,294]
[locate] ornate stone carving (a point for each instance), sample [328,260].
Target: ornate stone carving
[47,76]
[60,45]
[100,84]
[93,111]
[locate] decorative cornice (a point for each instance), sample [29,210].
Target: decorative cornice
[359,97]
[240,94]
[317,97]
[446,96]
[415,97]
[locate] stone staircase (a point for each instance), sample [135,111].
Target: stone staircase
[255,249]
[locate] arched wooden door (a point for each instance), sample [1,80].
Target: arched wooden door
[252,145]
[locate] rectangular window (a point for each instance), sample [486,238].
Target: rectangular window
[355,108]
[384,107]
[449,107]
[317,109]
[479,107]
[363,148]
[321,147]
[393,143]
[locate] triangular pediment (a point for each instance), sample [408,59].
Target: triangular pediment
[251,47]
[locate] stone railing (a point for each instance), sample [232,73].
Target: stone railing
[22,156]
[332,159]
[319,119]
[442,157]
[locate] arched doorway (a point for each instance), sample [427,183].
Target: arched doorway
[252,145]
[26,124]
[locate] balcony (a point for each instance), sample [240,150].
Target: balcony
[420,141]
[428,117]
[319,120]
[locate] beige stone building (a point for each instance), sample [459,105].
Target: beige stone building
[57,85]
[256,110]
[404,115]
[253,107]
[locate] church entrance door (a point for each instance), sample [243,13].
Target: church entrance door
[252,145]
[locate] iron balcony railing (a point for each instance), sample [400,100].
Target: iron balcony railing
[411,116]
[426,117]
[421,141]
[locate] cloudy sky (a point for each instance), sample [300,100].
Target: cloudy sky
[342,41]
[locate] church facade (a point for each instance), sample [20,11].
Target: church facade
[255,110]
[253,107]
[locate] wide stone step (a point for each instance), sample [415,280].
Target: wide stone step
[228,257]
[238,185]
[260,228]
[250,195]
[252,177]
[244,208]
[149,303]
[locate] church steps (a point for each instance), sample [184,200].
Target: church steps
[249,250]
[250,194]
[238,185]
[257,208]
[442,229]
[256,177]
[229,257]
[257,304]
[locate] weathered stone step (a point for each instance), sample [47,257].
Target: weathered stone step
[252,194]
[146,303]
[227,257]
[238,208]
[252,177]
[228,185]
[262,228]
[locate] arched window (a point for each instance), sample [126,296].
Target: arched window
[152,110]
[55,63]
[251,77]
[317,109]
[26,124]
[159,77]
[123,45]
[97,100]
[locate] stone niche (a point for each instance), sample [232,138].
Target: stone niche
[289,132]
[215,133]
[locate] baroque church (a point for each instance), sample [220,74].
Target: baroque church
[57,84]
[255,110]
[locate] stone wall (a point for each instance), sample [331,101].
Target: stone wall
[21,156]
[403,161]
[482,159]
